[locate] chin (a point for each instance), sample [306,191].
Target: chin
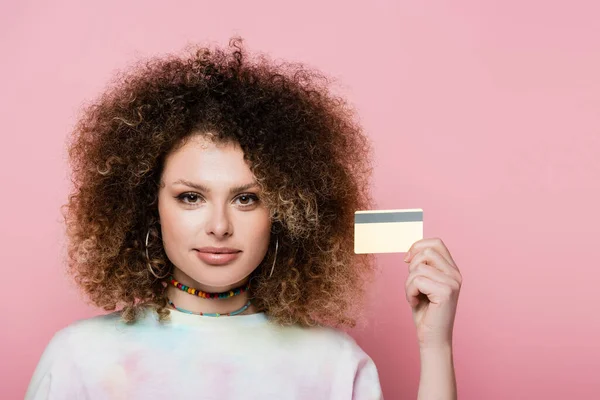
[218,278]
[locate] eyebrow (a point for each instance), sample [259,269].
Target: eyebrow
[203,188]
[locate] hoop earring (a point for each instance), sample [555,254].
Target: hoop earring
[148,258]
[273,267]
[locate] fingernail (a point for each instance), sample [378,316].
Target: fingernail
[407,257]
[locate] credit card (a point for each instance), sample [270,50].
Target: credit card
[387,231]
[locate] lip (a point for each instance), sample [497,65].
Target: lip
[217,258]
[217,250]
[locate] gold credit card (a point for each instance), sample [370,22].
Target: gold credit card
[387,231]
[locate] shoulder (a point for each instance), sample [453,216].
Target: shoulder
[85,336]
[56,371]
[326,341]
[103,335]
[84,331]
[341,340]
[79,334]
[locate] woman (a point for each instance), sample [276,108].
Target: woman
[214,203]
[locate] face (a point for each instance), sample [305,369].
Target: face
[201,204]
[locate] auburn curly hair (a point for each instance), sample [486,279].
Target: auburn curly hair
[308,155]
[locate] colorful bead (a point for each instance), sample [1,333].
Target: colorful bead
[229,314]
[207,295]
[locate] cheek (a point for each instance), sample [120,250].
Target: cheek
[178,228]
[177,237]
[174,226]
[259,231]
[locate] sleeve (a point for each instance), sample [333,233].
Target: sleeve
[53,376]
[366,380]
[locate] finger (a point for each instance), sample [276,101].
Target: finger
[431,257]
[437,244]
[436,292]
[432,273]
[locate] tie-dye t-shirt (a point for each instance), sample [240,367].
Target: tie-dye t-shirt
[201,357]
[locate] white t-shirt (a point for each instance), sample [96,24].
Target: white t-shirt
[201,357]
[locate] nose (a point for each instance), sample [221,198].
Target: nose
[219,221]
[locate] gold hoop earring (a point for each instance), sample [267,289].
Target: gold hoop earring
[148,258]
[273,267]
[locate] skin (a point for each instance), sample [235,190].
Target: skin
[192,218]
[432,290]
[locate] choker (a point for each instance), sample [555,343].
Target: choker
[207,295]
[229,314]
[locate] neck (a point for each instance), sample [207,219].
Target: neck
[197,304]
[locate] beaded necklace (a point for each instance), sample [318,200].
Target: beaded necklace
[207,295]
[232,313]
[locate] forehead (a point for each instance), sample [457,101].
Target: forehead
[202,160]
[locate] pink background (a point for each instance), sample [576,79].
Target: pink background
[483,113]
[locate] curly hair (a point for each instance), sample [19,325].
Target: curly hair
[309,155]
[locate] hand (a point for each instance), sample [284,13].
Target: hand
[432,290]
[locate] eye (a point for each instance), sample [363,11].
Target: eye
[246,197]
[190,196]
